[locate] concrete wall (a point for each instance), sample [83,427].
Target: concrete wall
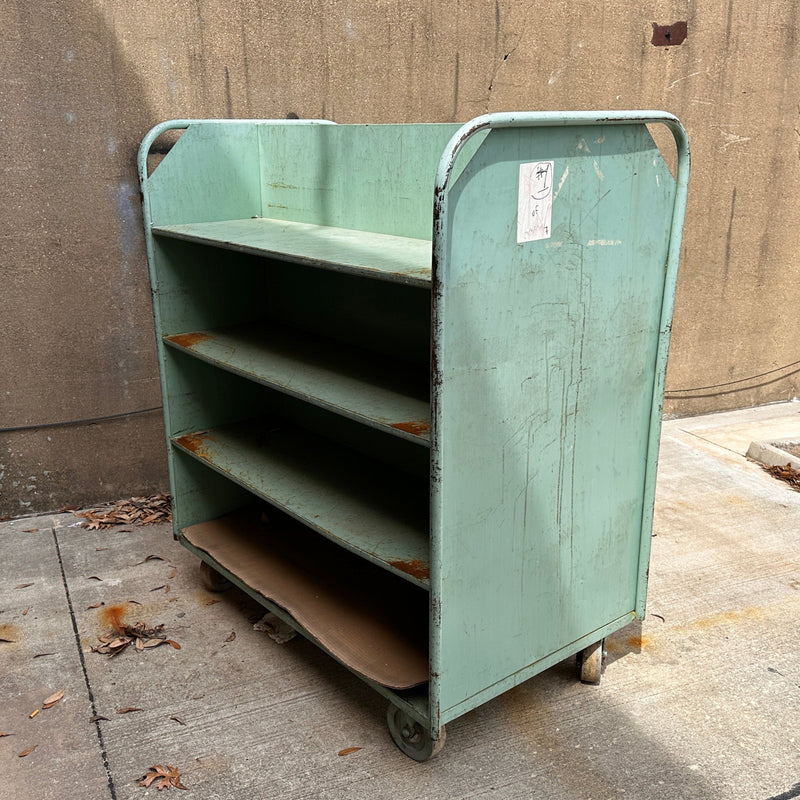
[83,80]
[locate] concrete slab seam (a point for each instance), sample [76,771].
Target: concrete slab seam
[111,787]
[708,441]
[788,795]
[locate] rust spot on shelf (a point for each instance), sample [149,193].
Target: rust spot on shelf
[113,616]
[194,443]
[669,35]
[188,339]
[416,568]
[415,427]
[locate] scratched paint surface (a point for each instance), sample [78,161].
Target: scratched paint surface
[547,358]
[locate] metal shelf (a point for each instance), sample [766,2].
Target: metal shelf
[371,389]
[371,509]
[374,255]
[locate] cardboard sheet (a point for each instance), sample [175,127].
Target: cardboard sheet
[369,619]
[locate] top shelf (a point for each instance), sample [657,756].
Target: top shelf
[375,255]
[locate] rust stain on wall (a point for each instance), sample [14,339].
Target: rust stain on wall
[669,35]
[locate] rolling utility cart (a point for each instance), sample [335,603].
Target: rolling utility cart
[412,381]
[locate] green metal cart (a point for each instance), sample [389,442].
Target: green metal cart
[412,382]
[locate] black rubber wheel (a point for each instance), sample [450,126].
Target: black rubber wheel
[212,580]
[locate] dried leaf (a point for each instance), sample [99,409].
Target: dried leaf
[153,558]
[100,549]
[174,644]
[135,602]
[159,587]
[162,778]
[8,641]
[177,719]
[26,611]
[173,573]
[786,473]
[24,585]
[127,710]
[97,718]
[30,530]
[53,699]
[136,511]
[231,637]
[39,655]
[7,734]
[348,750]
[27,751]
[96,605]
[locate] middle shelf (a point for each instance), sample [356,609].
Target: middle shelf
[370,388]
[379,512]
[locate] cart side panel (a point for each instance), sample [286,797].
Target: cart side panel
[547,355]
[375,178]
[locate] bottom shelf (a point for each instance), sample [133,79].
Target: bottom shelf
[372,621]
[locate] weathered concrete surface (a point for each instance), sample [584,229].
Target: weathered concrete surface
[41,659]
[81,83]
[700,700]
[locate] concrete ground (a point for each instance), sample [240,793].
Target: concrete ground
[700,700]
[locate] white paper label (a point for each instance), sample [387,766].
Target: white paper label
[535,204]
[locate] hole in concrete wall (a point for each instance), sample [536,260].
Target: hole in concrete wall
[669,35]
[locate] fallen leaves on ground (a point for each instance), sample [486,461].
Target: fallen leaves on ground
[348,750]
[23,585]
[54,698]
[135,511]
[7,734]
[788,474]
[139,635]
[128,710]
[27,751]
[162,778]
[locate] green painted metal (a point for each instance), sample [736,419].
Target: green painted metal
[375,255]
[291,268]
[549,359]
[379,513]
[376,391]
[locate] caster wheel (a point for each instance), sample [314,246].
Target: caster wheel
[590,663]
[411,737]
[212,580]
